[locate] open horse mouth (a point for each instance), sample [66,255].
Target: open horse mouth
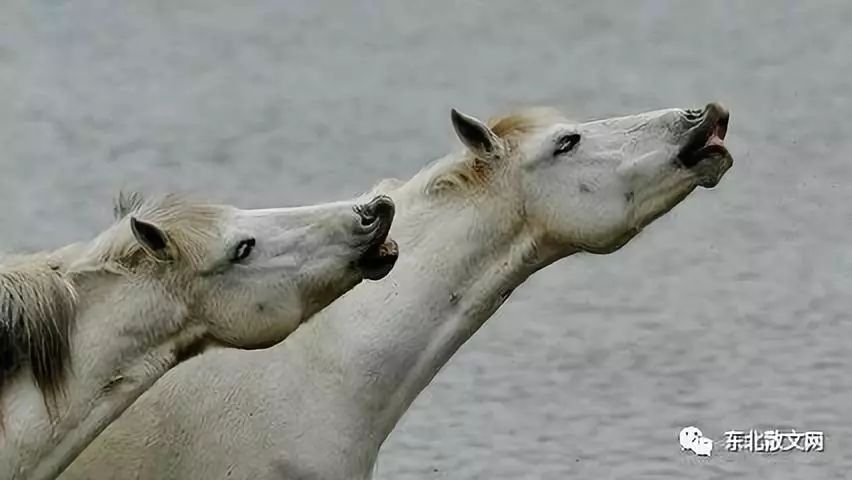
[382,252]
[705,152]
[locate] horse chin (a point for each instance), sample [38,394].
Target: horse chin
[614,244]
[710,169]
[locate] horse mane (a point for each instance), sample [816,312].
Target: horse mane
[38,299]
[37,309]
[471,172]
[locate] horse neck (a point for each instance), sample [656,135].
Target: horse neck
[459,262]
[123,341]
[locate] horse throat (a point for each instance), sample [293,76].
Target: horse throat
[460,261]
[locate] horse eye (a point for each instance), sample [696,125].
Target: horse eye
[243,250]
[566,143]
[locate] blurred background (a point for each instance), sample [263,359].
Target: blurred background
[731,312]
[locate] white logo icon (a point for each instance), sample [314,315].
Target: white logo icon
[693,440]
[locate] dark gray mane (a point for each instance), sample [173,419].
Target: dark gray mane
[37,308]
[38,299]
[36,316]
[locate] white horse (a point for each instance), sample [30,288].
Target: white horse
[84,330]
[529,189]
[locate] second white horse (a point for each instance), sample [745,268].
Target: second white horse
[84,330]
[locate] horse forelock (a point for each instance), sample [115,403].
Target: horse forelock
[37,309]
[523,121]
[126,203]
[190,225]
[469,172]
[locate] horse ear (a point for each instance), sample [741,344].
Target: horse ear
[154,241]
[476,136]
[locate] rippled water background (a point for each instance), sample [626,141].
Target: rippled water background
[732,312]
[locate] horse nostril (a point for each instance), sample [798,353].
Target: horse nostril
[367,220]
[380,207]
[384,208]
[693,114]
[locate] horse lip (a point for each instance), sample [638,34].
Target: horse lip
[379,260]
[376,219]
[381,253]
[706,139]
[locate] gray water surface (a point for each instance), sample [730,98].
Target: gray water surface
[732,312]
